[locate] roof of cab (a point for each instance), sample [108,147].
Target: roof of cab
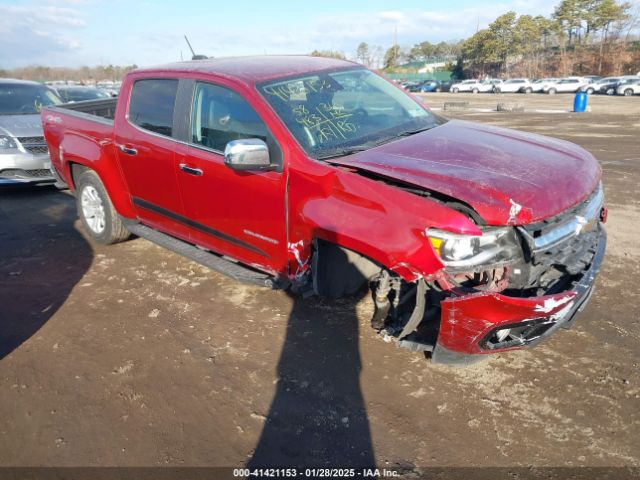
[255,69]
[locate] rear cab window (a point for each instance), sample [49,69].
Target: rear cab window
[152,105]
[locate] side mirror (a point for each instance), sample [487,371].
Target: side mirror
[247,154]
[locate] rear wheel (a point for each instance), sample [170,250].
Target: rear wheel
[611,91]
[528,90]
[475,90]
[552,91]
[628,92]
[98,216]
[590,91]
[455,90]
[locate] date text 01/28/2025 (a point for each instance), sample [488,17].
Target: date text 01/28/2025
[315,473]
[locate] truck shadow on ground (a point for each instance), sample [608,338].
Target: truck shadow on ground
[42,257]
[318,417]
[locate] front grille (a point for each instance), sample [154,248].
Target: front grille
[20,173]
[31,140]
[34,145]
[559,249]
[37,150]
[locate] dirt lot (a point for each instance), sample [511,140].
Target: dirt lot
[131,355]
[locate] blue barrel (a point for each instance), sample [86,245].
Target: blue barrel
[580,102]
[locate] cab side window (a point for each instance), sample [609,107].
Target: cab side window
[152,104]
[220,115]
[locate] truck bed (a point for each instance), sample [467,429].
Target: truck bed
[102,111]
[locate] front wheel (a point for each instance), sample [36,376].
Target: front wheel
[552,91]
[590,91]
[98,216]
[454,90]
[628,92]
[611,91]
[528,90]
[475,90]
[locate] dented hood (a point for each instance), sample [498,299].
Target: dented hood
[508,177]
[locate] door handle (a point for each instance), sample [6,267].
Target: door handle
[128,150]
[193,171]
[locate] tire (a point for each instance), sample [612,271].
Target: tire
[590,91]
[552,91]
[438,90]
[611,91]
[99,218]
[528,90]
[454,90]
[475,90]
[628,92]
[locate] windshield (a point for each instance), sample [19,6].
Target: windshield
[25,99]
[341,112]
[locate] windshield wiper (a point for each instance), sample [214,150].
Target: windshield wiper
[343,152]
[413,132]
[366,146]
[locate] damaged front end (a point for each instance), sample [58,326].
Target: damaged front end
[506,289]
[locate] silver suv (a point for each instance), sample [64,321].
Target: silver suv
[24,156]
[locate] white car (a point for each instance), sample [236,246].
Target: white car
[565,85]
[490,85]
[473,86]
[538,85]
[515,85]
[631,87]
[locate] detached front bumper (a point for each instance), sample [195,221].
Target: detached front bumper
[470,325]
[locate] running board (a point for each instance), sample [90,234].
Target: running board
[206,258]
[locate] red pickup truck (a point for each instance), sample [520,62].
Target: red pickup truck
[320,176]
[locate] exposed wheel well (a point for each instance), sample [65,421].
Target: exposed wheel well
[338,271]
[77,169]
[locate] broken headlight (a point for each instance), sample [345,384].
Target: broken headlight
[495,246]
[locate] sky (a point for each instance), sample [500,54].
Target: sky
[73,33]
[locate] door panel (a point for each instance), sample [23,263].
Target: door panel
[146,153]
[237,213]
[240,214]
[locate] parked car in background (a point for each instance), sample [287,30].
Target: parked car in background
[473,86]
[409,85]
[430,86]
[565,85]
[24,156]
[416,87]
[629,88]
[112,88]
[69,93]
[601,86]
[489,85]
[592,78]
[611,85]
[514,85]
[440,86]
[538,85]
